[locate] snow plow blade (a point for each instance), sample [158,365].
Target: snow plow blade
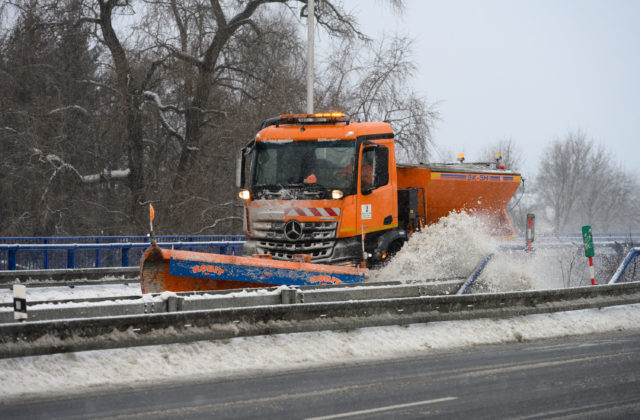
[171,270]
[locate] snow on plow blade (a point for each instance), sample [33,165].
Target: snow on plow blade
[181,271]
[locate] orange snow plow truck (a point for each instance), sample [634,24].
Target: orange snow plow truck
[324,197]
[320,185]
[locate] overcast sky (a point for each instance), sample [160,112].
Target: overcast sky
[527,70]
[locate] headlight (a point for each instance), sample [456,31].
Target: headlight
[244,194]
[337,194]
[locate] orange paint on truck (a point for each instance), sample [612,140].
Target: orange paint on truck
[286,175]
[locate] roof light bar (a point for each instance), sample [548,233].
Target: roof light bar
[317,118]
[313,116]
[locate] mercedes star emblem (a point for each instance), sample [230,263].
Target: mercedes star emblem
[293,230]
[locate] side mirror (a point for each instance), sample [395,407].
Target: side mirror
[240,162]
[240,169]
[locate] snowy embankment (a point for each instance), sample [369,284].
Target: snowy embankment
[139,366]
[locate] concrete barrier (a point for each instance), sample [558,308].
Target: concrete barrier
[126,305]
[46,337]
[37,278]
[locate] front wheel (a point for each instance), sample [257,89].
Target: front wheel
[384,256]
[394,248]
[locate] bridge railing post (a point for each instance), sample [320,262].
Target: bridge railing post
[125,256]
[11,258]
[71,258]
[96,263]
[45,256]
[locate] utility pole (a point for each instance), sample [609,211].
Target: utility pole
[310,21]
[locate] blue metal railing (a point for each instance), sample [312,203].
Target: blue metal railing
[577,237]
[33,253]
[116,239]
[474,276]
[95,255]
[633,252]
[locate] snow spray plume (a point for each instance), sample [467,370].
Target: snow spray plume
[450,248]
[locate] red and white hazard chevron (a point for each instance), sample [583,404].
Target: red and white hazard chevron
[312,211]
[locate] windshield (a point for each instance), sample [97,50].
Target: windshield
[309,164]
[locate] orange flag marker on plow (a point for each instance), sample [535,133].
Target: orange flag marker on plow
[152,215]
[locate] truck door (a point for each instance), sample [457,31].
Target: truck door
[376,200]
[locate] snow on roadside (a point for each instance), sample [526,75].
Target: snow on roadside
[91,370]
[41,294]
[63,293]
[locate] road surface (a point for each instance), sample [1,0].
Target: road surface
[583,377]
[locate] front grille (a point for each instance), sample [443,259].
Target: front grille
[317,240]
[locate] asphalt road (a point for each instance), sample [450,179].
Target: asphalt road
[584,377]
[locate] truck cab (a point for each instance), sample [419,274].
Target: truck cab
[320,185]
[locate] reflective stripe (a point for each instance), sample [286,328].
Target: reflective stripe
[313,211]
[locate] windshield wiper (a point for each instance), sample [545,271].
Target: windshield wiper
[315,186]
[269,186]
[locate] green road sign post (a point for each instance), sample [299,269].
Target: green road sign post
[587,239]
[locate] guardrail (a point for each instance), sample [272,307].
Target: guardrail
[87,255]
[172,323]
[70,277]
[116,239]
[577,237]
[624,265]
[474,276]
[191,301]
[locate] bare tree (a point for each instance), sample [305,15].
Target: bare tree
[375,86]
[115,103]
[129,84]
[511,155]
[45,117]
[579,184]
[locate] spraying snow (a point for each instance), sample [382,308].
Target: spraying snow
[456,244]
[450,248]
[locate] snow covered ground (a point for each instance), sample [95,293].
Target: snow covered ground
[41,294]
[131,367]
[451,248]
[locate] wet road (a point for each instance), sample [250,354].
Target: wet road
[592,376]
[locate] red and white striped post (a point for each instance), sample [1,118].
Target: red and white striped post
[531,222]
[592,271]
